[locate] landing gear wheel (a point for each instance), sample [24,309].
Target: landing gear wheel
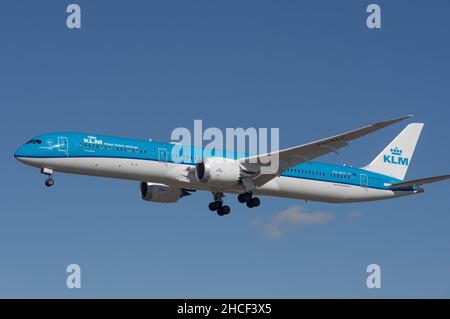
[223,210]
[49,182]
[242,198]
[212,206]
[254,202]
[226,210]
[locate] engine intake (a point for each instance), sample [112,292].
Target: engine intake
[161,193]
[218,171]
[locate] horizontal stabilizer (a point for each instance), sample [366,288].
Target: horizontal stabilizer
[419,182]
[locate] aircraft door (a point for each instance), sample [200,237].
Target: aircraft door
[162,155]
[364,180]
[63,144]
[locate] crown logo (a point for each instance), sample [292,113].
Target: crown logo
[396,151]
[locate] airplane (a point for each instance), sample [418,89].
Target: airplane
[166,179]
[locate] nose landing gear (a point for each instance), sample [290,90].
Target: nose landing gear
[49,181]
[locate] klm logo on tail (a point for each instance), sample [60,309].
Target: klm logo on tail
[396,157]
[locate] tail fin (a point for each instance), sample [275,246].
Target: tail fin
[396,157]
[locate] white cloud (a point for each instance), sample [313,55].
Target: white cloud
[353,215]
[292,218]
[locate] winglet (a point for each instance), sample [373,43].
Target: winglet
[393,121]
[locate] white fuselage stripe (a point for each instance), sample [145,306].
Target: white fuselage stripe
[181,176]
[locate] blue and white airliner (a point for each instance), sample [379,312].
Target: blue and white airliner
[165,179]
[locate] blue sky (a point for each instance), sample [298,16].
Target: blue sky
[142,68]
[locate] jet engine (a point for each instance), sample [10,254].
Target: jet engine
[219,171]
[161,193]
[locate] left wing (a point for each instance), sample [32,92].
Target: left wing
[303,153]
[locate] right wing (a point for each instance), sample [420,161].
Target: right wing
[304,153]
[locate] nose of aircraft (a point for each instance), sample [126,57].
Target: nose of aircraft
[20,153]
[29,152]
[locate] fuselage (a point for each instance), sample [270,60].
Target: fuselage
[149,161]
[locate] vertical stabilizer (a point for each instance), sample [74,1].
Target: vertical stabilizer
[395,159]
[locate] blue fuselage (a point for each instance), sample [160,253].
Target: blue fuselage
[81,145]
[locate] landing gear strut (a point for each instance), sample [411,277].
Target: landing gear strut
[217,205]
[49,181]
[249,200]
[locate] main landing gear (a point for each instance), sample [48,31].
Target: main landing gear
[221,209]
[49,181]
[217,205]
[249,200]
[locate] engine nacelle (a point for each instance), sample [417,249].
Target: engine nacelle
[161,193]
[218,171]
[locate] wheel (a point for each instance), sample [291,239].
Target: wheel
[223,210]
[245,197]
[49,182]
[226,210]
[212,206]
[242,198]
[249,204]
[255,202]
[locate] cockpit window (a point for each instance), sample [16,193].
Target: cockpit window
[37,142]
[29,142]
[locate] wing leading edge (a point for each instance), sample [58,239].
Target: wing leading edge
[305,153]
